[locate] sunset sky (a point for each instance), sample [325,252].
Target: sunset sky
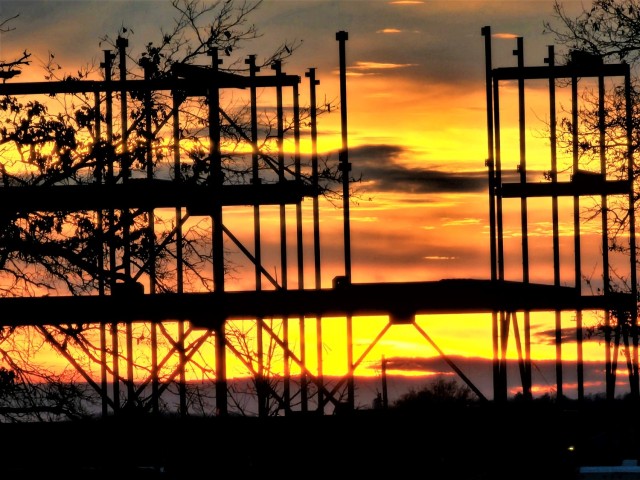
[417,132]
[416,105]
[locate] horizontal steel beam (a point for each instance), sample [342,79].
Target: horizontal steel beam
[197,86]
[148,194]
[565,189]
[401,301]
[560,71]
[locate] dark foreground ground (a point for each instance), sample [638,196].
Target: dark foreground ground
[513,442]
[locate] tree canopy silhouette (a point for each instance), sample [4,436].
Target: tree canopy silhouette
[441,391]
[76,139]
[607,30]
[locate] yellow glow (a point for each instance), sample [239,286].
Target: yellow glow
[396,235]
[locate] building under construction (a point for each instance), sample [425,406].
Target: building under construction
[148,205]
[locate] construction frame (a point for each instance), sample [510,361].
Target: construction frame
[122,300]
[582,183]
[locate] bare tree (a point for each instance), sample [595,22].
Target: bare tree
[440,391]
[609,30]
[58,140]
[11,68]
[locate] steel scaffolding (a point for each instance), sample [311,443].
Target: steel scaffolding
[128,293]
[582,183]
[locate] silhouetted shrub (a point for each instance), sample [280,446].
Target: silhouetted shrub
[440,391]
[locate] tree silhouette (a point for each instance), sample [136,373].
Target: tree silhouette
[11,68]
[609,30]
[606,31]
[60,140]
[441,391]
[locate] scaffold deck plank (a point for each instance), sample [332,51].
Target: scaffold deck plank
[401,301]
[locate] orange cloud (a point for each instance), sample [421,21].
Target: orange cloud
[507,36]
[380,65]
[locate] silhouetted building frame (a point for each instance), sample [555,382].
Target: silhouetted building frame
[208,312]
[582,183]
[118,192]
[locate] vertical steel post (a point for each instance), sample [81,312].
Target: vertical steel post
[256,181]
[277,67]
[553,125]
[505,321]
[522,168]
[151,233]
[633,278]
[490,164]
[182,390]
[99,151]
[182,379]
[101,285]
[217,175]
[486,32]
[122,44]
[217,181]
[255,167]
[148,105]
[501,333]
[345,168]
[385,392]
[313,121]
[107,65]
[222,408]
[299,244]
[576,237]
[610,375]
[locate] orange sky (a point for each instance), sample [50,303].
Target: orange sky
[417,134]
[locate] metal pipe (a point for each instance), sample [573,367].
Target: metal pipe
[101,285]
[351,391]
[217,181]
[299,243]
[107,65]
[522,167]
[255,180]
[486,32]
[313,124]
[122,43]
[182,369]
[152,247]
[555,221]
[635,387]
[277,67]
[576,238]
[500,384]
[609,367]
[490,164]
[222,408]
[182,391]
[345,166]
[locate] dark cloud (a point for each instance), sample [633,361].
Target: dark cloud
[379,165]
[434,365]
[567,335]
[479,371]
